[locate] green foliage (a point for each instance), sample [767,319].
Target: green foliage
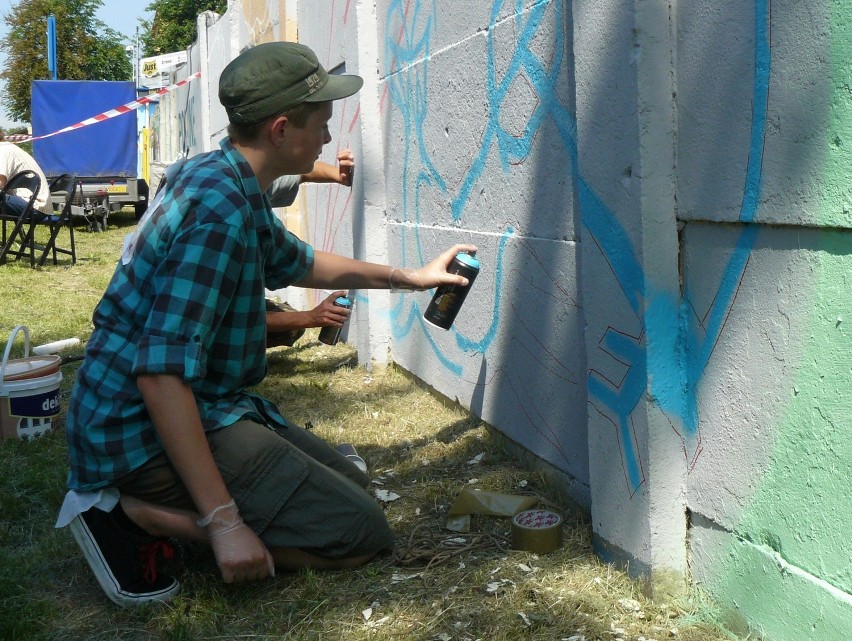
[85,50]
[174,25]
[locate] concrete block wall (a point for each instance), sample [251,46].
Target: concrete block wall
[478,149]
[660,193]
[764,190]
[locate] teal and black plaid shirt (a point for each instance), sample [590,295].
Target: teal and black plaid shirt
[187,298]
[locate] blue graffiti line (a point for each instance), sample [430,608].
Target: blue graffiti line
[403,322]
[760,100]
[466,344]
[408,60]
[623,400]
[610,236]
[663,369]
[510,146]
[698,350]
[408,91]
[632,467]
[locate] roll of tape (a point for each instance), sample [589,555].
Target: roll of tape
[538,531]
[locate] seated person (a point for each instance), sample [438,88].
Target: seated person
[284,324]
[166,435]
[14,160]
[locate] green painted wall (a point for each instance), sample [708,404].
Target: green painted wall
[789,570]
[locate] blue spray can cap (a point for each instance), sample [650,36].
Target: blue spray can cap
[330,334]
[468,258]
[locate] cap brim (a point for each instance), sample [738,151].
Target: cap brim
[336,88]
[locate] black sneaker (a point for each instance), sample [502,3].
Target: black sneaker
[123,562]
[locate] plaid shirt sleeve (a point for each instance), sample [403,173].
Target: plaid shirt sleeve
[290,262]
[187,301]
[192,288]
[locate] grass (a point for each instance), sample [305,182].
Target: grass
[417,446]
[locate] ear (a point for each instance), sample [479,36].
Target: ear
[278,129]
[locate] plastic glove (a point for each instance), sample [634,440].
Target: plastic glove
[240,554]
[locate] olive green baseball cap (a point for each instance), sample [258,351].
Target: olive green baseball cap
[273,77]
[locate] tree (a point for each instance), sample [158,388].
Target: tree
[85,50]
[174,25]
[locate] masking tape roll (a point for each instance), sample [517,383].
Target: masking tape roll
[538,531]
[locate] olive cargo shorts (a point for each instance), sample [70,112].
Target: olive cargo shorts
[291,487]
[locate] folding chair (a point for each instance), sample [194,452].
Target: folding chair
[20,221]
[62,191]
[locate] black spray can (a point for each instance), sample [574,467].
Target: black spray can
[328,334]
[448,299]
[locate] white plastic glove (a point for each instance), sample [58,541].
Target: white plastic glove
[240,554]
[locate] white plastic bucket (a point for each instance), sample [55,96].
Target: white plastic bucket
[28,406]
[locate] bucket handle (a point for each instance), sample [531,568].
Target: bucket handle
[9,349]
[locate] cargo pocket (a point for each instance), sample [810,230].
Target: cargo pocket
[261,470]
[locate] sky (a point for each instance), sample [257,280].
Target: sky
[121,15]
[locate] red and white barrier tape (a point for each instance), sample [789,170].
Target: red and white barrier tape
[106,115]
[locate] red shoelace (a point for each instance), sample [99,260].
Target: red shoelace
[149,553]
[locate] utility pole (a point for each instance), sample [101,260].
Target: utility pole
[136,77]
[133,54]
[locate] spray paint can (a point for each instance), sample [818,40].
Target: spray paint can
[328,334]
[448,299]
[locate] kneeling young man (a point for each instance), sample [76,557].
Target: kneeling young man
[164,438]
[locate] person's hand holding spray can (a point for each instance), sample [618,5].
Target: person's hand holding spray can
[448,299]
[331,334]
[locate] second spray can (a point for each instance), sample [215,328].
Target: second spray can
[328,334]
[448,299]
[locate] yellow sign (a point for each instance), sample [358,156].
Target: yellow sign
[149,68]
[117,189]
[155,65]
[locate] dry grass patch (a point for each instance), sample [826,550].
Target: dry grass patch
[439,586]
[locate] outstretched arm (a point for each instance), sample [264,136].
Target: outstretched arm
[331,270]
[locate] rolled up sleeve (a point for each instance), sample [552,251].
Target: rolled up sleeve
[176,356]
[193,287]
